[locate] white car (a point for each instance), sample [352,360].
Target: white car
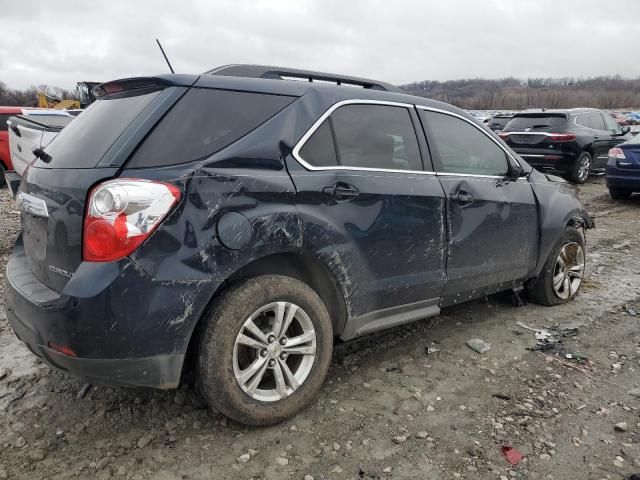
[31,130]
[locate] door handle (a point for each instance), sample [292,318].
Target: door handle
[342,192]
[462,197]
[596,137]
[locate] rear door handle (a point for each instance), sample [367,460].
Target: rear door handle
[342,192]
[462,197]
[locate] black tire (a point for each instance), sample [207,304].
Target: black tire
[541,289]
[215,365]
[619,194]
[578,174]
[3,177]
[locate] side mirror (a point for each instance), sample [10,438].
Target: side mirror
[517,172]
[626,129]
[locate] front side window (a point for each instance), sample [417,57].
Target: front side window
[611,124]
[463,148]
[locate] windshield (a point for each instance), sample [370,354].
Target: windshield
[85,140]
[535,122]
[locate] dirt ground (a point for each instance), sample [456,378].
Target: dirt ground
[412,402]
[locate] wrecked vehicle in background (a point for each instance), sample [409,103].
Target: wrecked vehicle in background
[241,221]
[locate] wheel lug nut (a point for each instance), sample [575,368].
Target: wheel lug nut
[283,356]
[263,352]
[272,362]
[283,341]
[271,338]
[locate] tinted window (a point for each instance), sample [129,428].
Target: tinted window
[320,150]
[611,124]
[203,122]
[583,120]
[376,136]
[83,142]
[3,122]
[595,119]
[462,147]
[535,122]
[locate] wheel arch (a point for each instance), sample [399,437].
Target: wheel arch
[306,269]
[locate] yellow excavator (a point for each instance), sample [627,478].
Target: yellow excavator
[85,95]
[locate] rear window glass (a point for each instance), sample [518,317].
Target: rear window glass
[536,122]
[319,150]
[3,122]
[204,122]
[85,140]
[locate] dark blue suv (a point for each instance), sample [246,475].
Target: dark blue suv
[243,220]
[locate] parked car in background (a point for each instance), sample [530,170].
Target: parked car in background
[498,122]
[620,118]
[571,142]
[633,118]
[623,169]
[240,221]
[6,162]
[31,132]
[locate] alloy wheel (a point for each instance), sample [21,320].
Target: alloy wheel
[274,351]
[584,168]
[568,270]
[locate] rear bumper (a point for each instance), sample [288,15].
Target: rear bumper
[626,179]
[111,338]
[546,161]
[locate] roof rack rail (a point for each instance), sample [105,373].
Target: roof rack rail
[280,73]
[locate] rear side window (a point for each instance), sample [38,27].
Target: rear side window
[85,140]
[376,136]
[204,122]
[320,150]
[536,122]
[366,136]
[463,148]
[3,122]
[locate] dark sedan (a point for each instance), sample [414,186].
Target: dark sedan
[623,169]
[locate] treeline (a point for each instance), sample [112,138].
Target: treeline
[29,96]
[612,92]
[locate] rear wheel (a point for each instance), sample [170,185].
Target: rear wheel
[265,350]
[619,194]
[562,274]
[581,168]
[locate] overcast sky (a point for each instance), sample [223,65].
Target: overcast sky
[61,42]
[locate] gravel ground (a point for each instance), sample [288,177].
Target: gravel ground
[412,402]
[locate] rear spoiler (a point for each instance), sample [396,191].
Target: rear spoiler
[160,81]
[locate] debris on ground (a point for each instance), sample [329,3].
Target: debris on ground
[512,455]
[478,345]
[552,338]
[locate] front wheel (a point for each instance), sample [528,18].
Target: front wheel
[581,168]
[563,272]
[265,350]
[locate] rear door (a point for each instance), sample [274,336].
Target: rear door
[492,222]
[602,140]
[368,205]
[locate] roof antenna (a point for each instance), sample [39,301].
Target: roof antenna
[165,56]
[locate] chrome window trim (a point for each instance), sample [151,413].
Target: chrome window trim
[325,115]
[528,133]
[480,129]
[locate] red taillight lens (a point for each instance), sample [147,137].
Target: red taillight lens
[616,153]
[121,214]
[69,352]
[562,137]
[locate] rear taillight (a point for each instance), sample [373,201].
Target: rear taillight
[616,153]
[562,137]
[121,214]
[503,135]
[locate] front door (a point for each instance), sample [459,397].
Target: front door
[369,209]
[492,221]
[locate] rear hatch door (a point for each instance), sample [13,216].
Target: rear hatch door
[90,149]
[532,130]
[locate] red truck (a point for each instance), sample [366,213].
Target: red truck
[5,156]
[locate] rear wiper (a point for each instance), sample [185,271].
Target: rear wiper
[42,155]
